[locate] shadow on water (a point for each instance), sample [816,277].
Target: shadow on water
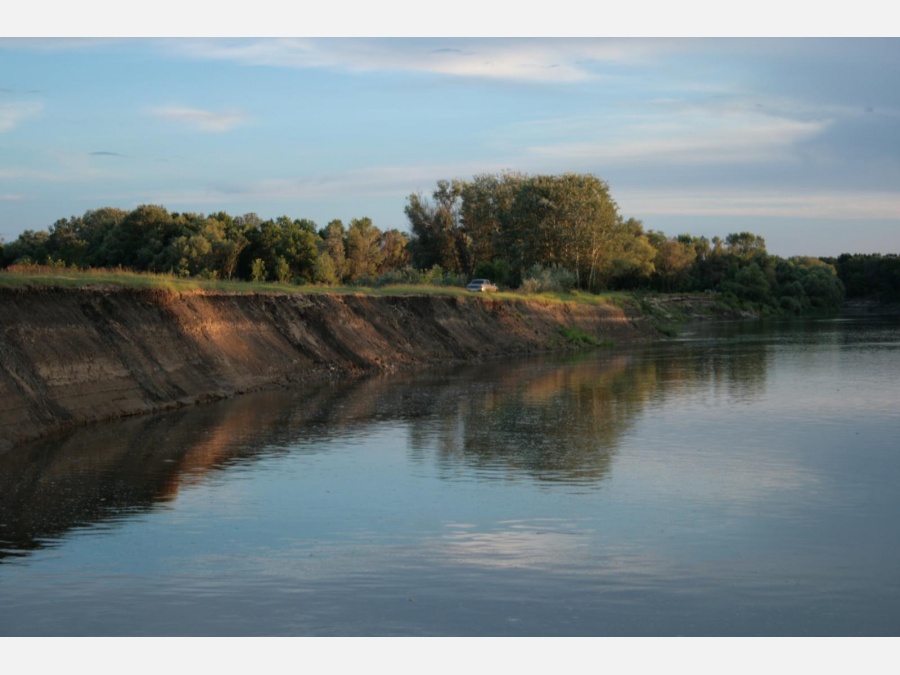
[547,419]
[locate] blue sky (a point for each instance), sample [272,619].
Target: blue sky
[794,139]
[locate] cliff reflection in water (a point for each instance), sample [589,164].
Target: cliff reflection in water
[547,419]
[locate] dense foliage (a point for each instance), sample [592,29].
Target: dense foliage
[869,276]
[541,233]
[217,246]
[563,232]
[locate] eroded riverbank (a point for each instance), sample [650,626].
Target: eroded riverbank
[72,356]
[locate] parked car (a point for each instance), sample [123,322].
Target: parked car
[481,286]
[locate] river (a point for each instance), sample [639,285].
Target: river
[741,479]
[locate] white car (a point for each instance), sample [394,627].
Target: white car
[481,286]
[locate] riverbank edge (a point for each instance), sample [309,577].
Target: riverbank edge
[72,356]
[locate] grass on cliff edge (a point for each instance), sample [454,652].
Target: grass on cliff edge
[55,277]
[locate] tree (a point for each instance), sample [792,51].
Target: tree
[140,240]
[227,248]
[673,262]
[30,246]
[66,243]
[282,269]
[324,271]
[258,270]
[394,251]
[635,264]
[364,253]
[750,283]
[334,245]
[484,201]
[298,247]
[569,220]
[437,235]
[745,245]
[293,240]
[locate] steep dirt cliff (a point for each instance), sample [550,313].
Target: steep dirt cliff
[73,356]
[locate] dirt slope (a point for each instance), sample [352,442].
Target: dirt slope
[73,356]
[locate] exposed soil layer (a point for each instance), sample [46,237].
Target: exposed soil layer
[69,357]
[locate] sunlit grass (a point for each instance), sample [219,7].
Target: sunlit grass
[57,277]
[38,276]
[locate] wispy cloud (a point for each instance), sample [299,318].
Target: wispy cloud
[564,60]
[794,204]
[106,153]
[666,133]
[11,114]
[20,173]
[203,120]
[377,181]
[12,198]
[57,44]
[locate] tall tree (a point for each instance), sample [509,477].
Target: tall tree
[394,251]
[674,259]
[485,199]
[745,245]
[569,220]
[334,246]
[364,254]
[437,235]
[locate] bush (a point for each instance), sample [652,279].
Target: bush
[402,276]
[324,271]
[576,336]
[282,269]
[436,276]
[258,270]
[552,279]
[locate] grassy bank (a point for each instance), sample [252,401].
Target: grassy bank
[55,277]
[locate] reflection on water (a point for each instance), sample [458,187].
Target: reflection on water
[737,481]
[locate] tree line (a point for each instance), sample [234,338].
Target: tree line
[565,231]
[539,232]
[215,246]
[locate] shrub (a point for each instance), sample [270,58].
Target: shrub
[551,279]
[282,269]
[576,336]
[258,270]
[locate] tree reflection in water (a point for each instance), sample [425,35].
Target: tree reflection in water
[548,419]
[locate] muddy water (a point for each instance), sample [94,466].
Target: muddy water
[740,480]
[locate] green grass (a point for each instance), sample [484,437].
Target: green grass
[58,277]
[575,336]
[55,277]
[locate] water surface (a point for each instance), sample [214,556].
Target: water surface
[740,480]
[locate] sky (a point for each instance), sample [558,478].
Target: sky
[794,139]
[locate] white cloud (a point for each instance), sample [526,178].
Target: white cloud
[12,198]
[796,204]
[16,173]
[204,120]
[676,133]
[544,60]
[13,113]
[366,182]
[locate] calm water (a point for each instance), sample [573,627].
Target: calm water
[741,480]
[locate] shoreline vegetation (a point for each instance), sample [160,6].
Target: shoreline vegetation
[536,234]
[117,313]
[80,346]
